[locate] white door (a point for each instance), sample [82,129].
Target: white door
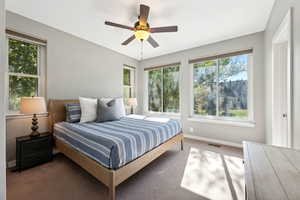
[280,135]
[282,84]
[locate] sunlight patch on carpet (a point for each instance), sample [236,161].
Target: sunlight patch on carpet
[214,176]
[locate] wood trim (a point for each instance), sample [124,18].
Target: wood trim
[25,36]
[236,53]
[131,67]
[161,66]
[110,177]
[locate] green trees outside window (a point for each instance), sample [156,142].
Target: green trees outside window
[155,90]
[163,89]
[126,76]
[23,71]
[128,82]
[220,87]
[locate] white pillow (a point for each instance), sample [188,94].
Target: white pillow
[133,116]
[157,119]
[119,102]
[88,109]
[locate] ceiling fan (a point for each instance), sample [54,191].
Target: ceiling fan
[142,28]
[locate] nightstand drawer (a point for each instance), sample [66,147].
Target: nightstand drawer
[44,152]
[35,146]
[35,159]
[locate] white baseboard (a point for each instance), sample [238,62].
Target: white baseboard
[11,164]
[215,141]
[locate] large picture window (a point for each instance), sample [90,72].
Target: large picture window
[163,89]
[23,71]
[221,86]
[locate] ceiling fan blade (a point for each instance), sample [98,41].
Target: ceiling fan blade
[144,13]
[128,40]
[118,25]
[152,42]
[164,29]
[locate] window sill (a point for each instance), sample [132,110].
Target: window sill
[240,123]
[167,115]
[23,116]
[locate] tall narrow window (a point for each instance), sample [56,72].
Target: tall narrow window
[23,71]
[128,82]
[220,86]
[163,89]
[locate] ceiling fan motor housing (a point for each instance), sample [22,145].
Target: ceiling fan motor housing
[138,26]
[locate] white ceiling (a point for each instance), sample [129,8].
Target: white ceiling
[199,21]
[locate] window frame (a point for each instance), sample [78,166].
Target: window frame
[41,71]
[133,86]
[146,94]
[250,94]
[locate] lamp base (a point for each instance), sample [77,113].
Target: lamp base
[131,110]
[35,134]
[34,127]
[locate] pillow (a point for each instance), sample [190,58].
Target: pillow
[88,109]
[73,112]
[119,102]
[108,111]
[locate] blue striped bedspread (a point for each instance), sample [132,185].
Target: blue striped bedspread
[114,144]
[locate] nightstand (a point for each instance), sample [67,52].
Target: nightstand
[32,151]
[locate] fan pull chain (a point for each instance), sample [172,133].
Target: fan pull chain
[142,49]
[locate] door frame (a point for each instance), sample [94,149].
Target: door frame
[284,34]
[3,58]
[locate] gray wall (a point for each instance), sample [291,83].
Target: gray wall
[279,11]
[2,97]
[75,67]
[208,130]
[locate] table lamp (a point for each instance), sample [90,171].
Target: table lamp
[33,105]
[132,102]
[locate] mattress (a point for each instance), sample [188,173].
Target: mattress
[114,144]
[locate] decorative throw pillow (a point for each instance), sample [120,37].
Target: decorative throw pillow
[108,111]
[119,104]
[88,109]
[73,112]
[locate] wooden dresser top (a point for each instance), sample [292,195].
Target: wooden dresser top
[271,173]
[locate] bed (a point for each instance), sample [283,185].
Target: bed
[112,151]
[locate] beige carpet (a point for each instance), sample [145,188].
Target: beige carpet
[199,172]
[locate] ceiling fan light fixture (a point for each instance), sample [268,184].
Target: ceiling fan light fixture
[142,28]
[141,34]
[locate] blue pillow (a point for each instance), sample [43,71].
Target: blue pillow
[73,112]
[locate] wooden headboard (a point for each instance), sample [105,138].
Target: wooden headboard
[57,111]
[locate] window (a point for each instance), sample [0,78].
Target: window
[221,86]
[163,89]
[24,72]
[128,82]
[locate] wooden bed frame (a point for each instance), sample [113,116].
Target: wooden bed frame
[110,177]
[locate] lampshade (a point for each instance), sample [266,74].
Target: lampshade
[33,105]
[132,102]
[141,34]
